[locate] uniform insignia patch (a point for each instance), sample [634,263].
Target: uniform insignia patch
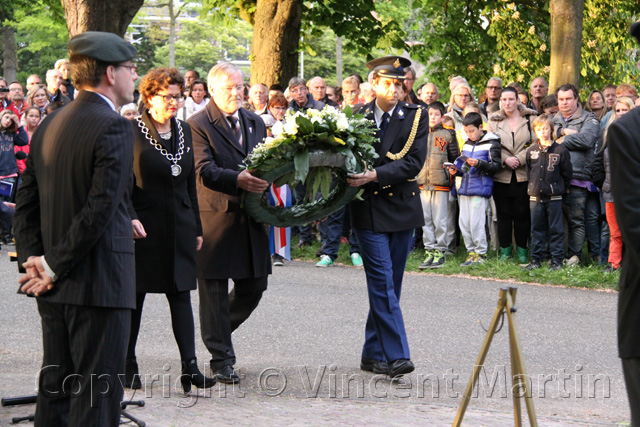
[396,64]
[535,155]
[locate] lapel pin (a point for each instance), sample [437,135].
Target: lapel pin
[250,129]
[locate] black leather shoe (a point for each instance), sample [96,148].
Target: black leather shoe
[400,367]
[375,366]
[226,375]
[191,375]
[131,376]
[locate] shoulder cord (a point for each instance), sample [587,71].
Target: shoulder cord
[409,143]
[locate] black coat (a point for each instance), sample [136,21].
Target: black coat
[624,150]
[235,246]
[167,207]
[393,203]
[73,204]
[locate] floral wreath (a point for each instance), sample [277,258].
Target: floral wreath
[311,147]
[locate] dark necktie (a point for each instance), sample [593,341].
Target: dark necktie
[233,122]
[383,125]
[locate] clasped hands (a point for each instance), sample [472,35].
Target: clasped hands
[36,281]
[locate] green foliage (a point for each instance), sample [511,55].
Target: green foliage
[479,39]
[320,59]
[42,39]
[201,45]
[355,22]
[609,53]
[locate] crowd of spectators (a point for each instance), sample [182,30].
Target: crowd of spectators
[506,112]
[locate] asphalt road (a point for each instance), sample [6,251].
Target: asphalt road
[299,355]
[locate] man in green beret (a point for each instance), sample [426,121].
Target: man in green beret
[75,240]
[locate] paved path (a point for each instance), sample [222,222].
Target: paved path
[299,355]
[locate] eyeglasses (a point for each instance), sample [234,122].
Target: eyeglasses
[298,90]
[494,87]
[168,98]
[132,67]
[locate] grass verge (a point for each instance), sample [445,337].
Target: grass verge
[589,276]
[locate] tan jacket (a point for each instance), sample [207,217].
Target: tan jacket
[515,145]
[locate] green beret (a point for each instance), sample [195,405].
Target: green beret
[105,47]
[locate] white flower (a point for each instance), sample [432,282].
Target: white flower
[497,68]
[277,128]
[543,47]
[342,123]
[516,15]
[291,127]
[532,29]
[268,142]
[316,119]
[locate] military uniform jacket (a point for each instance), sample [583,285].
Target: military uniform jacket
[393,202]
[235,246]
[167,207]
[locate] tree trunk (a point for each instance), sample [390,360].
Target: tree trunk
[10,54]
[113,16]
[339,61]
[172,35]
[566,42]
[276,36]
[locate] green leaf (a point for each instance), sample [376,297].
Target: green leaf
[301,163]
[326,179]
[304,125]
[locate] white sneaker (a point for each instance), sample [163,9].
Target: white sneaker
[574,260]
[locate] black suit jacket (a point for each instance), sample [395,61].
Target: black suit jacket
[624,149]
[235,246]
[393,202]
[72,206]
[167,207]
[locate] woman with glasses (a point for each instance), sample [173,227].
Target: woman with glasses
[37,97]
[166,218]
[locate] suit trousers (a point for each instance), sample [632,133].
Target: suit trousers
[631,371]
[385,256]
[222,312]
[84,350]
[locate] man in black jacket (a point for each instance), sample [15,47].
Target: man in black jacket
[624,148]
[75,239]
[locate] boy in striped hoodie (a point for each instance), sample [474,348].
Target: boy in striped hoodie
[482,156]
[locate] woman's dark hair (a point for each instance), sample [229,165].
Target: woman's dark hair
[198,82]
[158,79]
[511,89]
[32,108]
[277,100]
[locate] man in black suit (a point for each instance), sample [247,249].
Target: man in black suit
[388,213]
[75,239]
[235,246]
[624,148]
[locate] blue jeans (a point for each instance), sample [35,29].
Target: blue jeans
[330,233]
[546,226]
[593,224]
[573,207]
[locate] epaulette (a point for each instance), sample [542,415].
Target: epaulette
[410,106]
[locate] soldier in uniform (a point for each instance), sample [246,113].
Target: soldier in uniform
[389,212]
